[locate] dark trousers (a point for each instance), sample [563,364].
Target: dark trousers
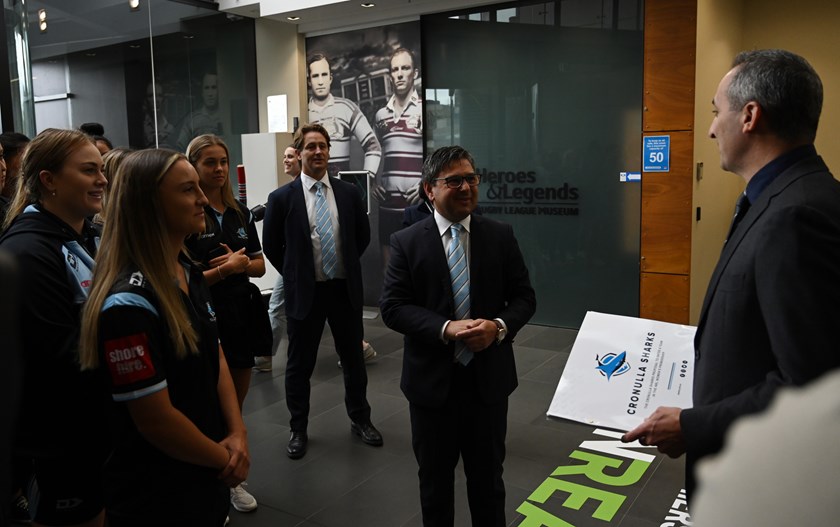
[690,479]
[466,427]
[331,304]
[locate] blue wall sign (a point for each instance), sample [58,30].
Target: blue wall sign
[656,155]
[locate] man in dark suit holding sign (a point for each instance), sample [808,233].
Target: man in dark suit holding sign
[315,231]
[458,289]
[770,314]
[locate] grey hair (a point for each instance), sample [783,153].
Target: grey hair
[786,88]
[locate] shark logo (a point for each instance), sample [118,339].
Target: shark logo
[612,365]
[211,312]
[242,234]
[136,278]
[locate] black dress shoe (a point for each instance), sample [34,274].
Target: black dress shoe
[297,445]
[367,432]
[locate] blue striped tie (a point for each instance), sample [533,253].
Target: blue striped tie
[459,273]
[323,225]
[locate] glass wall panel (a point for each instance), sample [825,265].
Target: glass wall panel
[155,76]
[549,103]
[206,82]
[20,76]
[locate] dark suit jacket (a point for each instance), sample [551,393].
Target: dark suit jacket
[415,213]
[772,309]
[288,246]
[417,300]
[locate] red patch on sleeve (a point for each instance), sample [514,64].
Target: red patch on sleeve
[129,359]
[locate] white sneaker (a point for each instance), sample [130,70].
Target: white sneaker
[262,363]
[241,499]
[368,351]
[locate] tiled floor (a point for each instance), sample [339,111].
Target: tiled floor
[342,482]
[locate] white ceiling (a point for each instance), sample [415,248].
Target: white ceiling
[79,25]
[340,15]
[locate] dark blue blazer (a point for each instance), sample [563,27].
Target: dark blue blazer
[288,246]
[417,300]
[772,307]
[415,213]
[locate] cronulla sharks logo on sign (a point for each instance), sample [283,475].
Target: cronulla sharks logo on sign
[612,365]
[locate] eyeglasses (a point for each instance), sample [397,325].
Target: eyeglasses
[456,181]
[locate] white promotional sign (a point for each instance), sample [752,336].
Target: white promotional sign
[622,368]
[278,113]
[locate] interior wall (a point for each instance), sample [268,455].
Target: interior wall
[281,68]
[725,27]
[719,38]
[809,29]
[669,103]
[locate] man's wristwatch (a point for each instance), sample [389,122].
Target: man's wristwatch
[501,332]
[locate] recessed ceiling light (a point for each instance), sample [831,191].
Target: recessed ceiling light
[368,4]
[292,18]
[134,5]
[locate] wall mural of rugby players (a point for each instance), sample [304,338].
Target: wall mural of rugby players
[365,89]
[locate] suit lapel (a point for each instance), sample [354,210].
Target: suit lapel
[346,214]
[440,267]
[298,209]
[477,242]
[340,205]
[765,200]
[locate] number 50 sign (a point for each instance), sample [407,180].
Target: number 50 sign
[657,153]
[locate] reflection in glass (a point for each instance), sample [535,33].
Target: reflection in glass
[157,84]
[549,101]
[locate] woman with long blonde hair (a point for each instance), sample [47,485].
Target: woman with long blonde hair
[62,423]
[229,251]
[110,162]
[150,328]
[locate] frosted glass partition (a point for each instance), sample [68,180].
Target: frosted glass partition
[552,114]
[156,76]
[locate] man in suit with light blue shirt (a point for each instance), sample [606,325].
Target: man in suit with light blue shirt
[315,231]
[458,289]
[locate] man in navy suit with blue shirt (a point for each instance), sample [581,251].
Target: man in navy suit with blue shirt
[315,231]
[458,289]
[773,302]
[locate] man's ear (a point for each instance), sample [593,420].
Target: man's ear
[429,190]
[751,114]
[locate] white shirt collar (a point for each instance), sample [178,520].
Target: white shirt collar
[309,181]
[329,101]
[443,224]
[412,99]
